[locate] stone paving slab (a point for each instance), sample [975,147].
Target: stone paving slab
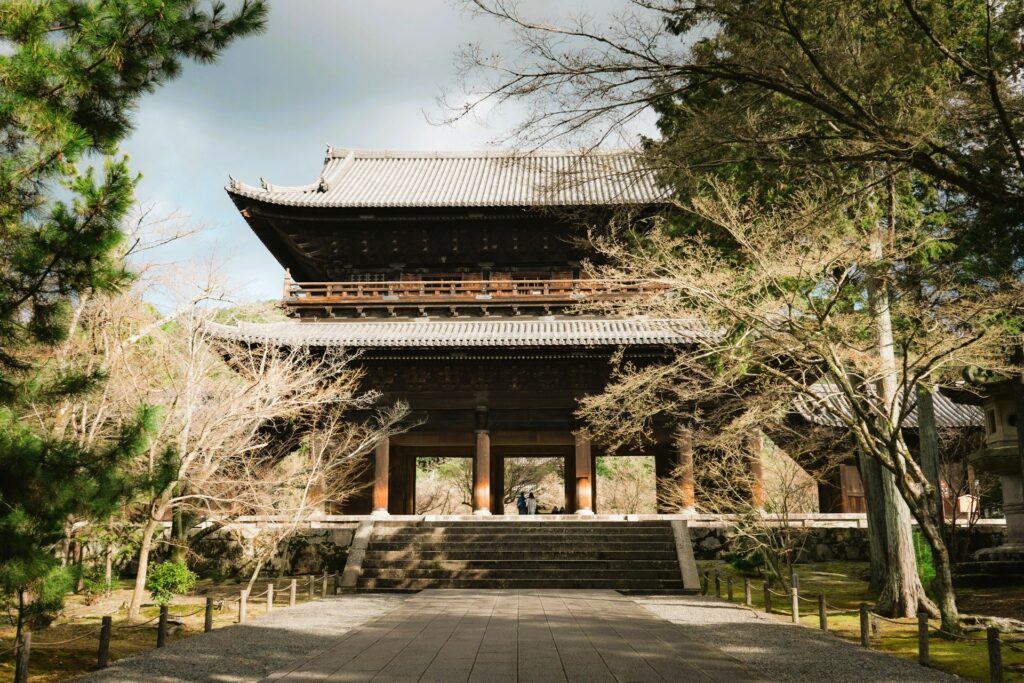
[782,651]
[518,635]
[246,653]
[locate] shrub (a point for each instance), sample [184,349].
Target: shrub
[167,579]
[923,553]
[95,584]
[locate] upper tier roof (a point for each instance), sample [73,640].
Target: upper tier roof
[351,179]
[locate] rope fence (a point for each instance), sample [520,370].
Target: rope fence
[288,591]
[870,622]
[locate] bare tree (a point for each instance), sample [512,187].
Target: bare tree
[774,322]
[231,413]
[627,484]
[768,529]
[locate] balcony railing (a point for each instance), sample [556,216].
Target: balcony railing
[440,293]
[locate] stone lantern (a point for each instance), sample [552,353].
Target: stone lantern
[1000,456]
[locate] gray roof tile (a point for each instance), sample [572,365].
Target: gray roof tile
[830,404]
[466,333]
[353,179]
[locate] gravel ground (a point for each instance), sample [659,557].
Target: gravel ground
[245,653]
[781,651]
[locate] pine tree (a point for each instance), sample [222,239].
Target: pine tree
[72,73]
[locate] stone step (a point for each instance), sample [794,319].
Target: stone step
[538,521]
[568,554]
[488,562]
[493,547]
[546,574]
[578,529]
[613,584]
[574,554]
[522,537]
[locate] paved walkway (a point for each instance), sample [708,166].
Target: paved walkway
[518,635]
[532,636]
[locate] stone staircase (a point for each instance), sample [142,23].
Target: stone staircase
[632,556]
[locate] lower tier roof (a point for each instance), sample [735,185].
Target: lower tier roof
[468,333]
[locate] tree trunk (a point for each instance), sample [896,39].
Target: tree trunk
[22,640]
[255,574]
[943,577]
[140,577]
[79,566]
[874,501]
[179,537]
[108,560]
[902,592]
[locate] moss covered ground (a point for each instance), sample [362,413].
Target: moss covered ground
[81,622]
[845,586]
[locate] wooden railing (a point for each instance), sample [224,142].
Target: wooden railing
[461,292]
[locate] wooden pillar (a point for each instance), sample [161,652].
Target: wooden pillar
[569,480]
[755,447]
[593,481]
[410,482]
[497,484]
[482,473]
[381,464]
[684,455]
[584,476]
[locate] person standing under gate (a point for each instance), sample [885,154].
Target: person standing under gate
[531,504]
[521,503]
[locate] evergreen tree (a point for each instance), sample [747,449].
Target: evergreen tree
[72,72]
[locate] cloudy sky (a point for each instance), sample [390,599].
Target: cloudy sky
[363,74]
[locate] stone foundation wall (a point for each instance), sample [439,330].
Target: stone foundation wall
[230,553]
[825,544]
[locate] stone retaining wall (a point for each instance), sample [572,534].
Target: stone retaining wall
[824,544]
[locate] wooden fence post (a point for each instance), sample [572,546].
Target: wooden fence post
[748,598]
[270,596]
[323,588]
[865,626]
[103,655]
[161,627]
[208,616]
[728,587]
[995,655]
[243,597]
[21,657]
[718,584]
[291,592]
[822,612]
[312,587]
[922,638]
[795,603]
[767,599]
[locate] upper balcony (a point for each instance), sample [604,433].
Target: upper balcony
[452,297]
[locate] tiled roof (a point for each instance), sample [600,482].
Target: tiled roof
[466,333]
[476,179]
[831,404]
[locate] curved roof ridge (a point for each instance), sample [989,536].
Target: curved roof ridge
[496,178]
[341,152]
